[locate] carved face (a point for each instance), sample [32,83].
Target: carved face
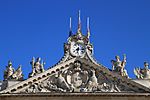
[76,79]
[77,49]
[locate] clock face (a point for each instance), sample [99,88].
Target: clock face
[77,49]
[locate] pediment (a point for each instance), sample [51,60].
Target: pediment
[76,72]
[77,75]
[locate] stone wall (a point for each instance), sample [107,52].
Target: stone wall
[77,96]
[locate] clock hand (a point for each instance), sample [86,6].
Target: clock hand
[78,49]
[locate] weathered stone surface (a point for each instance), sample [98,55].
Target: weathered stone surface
[77,96]
[144,82]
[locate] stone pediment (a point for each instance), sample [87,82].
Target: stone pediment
[76,72]
[77,75]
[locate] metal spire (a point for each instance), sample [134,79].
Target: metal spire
[79,22]
[70,27]
[88,27]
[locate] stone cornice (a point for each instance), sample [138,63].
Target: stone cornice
[74,94]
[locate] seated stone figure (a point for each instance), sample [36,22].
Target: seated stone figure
[9,71]
[142,73]
[37,66]
[119,66]
[11,74]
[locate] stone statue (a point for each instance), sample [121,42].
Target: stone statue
[37,66]
[142,73]
[9,71]
[61,82]
[92,84]
[18,75]
[137,72]
[119,66]
[93,78]
[11,74]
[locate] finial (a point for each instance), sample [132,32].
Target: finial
[70,26]
[79,16]
[88,27]
[79,22]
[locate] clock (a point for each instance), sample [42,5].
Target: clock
[77,49]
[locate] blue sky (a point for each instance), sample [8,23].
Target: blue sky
[40,27]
